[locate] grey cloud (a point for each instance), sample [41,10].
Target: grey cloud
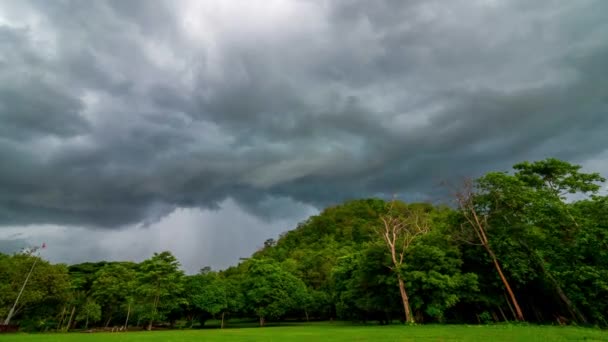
[136,113]
[197,238]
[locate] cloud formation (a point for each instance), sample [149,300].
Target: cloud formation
[116,113]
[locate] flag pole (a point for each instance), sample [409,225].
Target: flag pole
[12,311]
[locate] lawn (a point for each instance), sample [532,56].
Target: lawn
[336,332]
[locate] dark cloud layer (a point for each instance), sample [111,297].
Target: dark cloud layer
[118,112]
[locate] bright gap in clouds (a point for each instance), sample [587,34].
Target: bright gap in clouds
[198,238]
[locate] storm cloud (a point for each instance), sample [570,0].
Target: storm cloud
[115,114]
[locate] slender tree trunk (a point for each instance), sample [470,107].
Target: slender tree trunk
[156,299]
[576,315]
[222,325]
[86,324]
[67,327]
[573,310]
[398,233]
[109,320]
[509,305]
[61,319]
[518,313]
[262,321]
[483,238]
[465,201]
[502,313]
[406,301]
[12,310]
[128,313]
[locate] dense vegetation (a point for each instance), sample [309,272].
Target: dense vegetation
[527,245]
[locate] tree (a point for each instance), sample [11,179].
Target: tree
[90,311]
[435,279]
[477,221]
[160,284]
[523,220]
[557,224]
[211,294]
[271,291]
[46,290]
[400,227]
[114,286]
[364,287]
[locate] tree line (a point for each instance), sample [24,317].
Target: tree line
[526,245]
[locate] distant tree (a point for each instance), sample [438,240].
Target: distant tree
[90,311]
[211,295]
[271,291]
[115,286]
[160,284]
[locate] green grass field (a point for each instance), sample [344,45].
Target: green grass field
[335,332]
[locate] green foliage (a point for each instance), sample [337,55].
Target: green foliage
[542,238]
[435,279]
[364,286]
[115,286]
[46,289]
[271,291]
[209,294]
[160,285]
[89,312]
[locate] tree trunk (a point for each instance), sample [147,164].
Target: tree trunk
[576,315]
[67,327]
[573,310]
[518,313]
[262,321]
[465,200]
[306,313]
[222,325]
[109,320]
[406,301]
[502,313]
[156,300]
[128,313]
[61,319]
[86,324]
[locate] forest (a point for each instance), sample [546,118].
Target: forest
[528,245]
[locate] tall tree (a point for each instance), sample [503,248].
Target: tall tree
[115,286]
[400,227]
[477,221]
[161,284]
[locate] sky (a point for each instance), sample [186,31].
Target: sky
[206,127]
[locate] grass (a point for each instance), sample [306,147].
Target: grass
[318,332]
